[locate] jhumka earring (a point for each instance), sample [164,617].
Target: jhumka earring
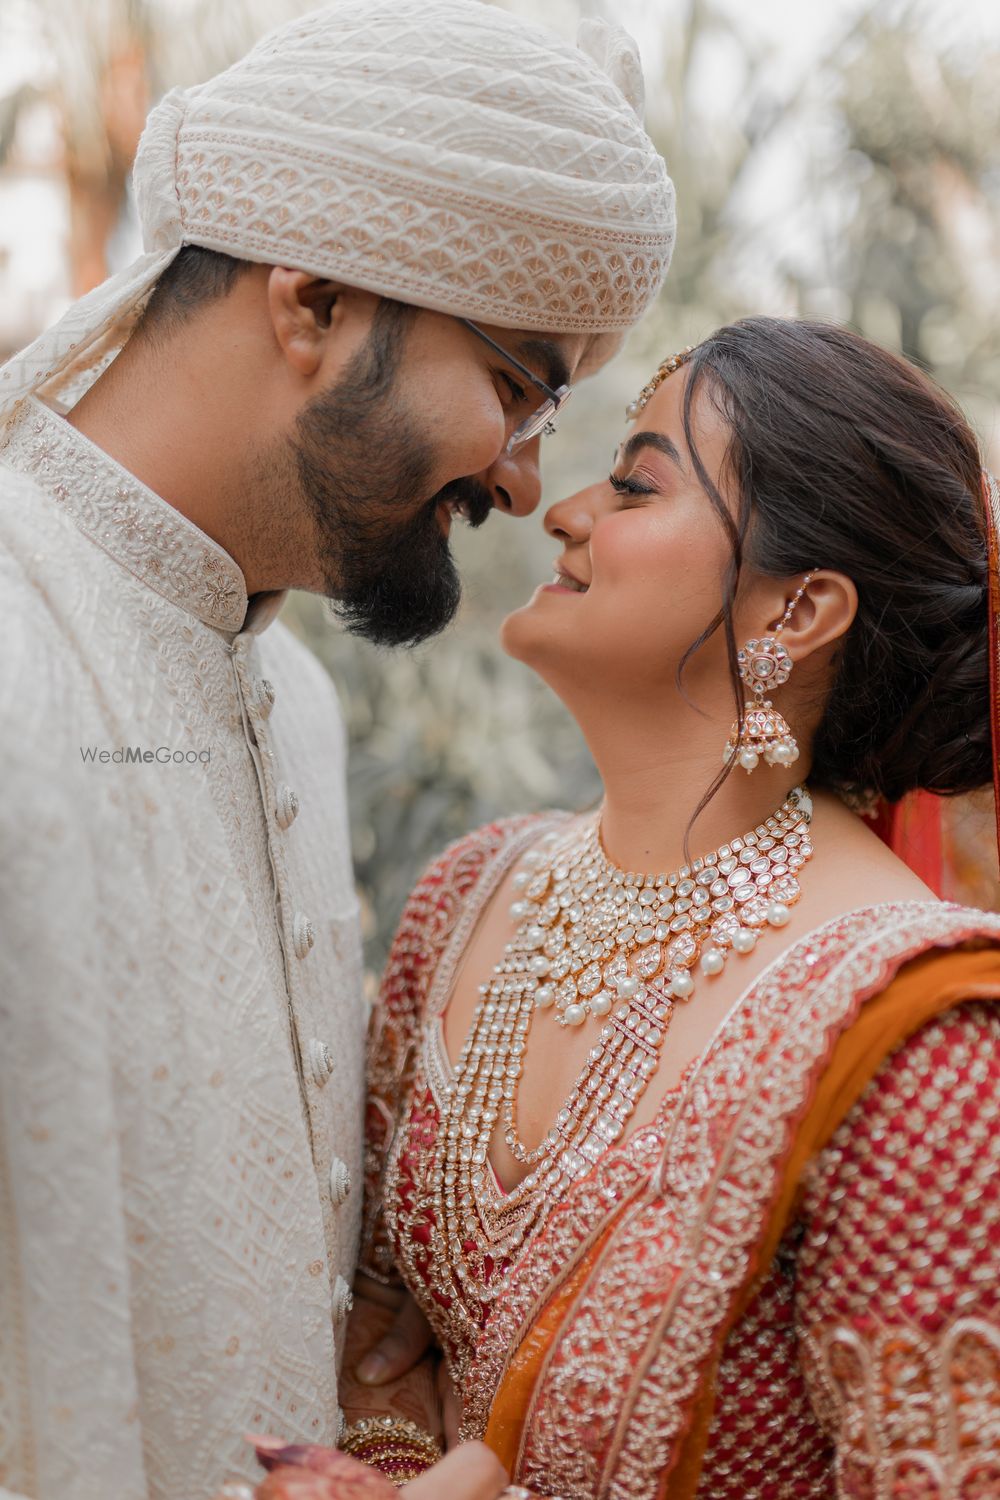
[764,665]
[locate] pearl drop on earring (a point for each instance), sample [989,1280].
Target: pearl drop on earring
[744,940]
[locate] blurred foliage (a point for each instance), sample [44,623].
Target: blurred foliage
[864,187]
[443,739]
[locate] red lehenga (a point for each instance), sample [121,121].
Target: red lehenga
[788,1285]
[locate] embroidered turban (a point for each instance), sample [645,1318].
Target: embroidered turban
[440,152]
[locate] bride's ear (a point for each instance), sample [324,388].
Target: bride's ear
[823,614]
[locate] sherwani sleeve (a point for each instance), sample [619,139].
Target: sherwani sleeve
[897,1282]
[70,1424]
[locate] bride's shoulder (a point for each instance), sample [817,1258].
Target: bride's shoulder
[486,849]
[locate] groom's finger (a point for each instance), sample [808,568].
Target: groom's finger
[469,1472]
[406,1342]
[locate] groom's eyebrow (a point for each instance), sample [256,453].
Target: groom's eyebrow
[546,360]
[657,440]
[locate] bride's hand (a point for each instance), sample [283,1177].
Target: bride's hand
[406,1376]
[308,1472]
[406,1342]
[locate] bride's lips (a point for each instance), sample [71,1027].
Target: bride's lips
[565,582]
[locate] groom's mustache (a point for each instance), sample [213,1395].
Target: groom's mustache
[475,499]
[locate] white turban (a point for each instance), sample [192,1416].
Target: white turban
[440,152]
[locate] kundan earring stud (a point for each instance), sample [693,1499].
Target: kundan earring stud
[764,665]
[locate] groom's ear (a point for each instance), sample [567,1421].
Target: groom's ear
[304,311]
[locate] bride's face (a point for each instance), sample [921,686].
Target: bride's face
[650,553]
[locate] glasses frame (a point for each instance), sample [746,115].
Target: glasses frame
[540,420]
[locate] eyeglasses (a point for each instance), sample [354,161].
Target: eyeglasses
[540,420]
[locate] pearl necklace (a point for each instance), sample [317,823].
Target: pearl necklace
[594,940]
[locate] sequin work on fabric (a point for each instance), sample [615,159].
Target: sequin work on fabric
[792,1417]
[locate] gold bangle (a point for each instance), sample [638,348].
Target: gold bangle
[395,1445]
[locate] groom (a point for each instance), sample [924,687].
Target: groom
[378,252]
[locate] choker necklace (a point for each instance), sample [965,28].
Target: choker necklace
[594,940]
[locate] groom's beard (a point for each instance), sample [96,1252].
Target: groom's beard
[362,468]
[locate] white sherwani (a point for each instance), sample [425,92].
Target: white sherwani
[181,1017]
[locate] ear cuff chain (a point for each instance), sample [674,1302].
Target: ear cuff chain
[764,664]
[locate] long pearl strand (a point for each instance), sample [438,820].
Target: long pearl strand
[594,940]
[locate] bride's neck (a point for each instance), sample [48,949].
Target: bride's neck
[655,773]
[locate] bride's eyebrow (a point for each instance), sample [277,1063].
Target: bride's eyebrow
[657,440]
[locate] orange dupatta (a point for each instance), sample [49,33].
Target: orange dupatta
[925,987]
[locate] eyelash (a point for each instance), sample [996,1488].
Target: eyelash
[629,486]
[517,393]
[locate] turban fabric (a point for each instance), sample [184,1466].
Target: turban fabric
[440,152]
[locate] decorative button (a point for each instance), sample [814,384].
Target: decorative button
[264,693]
[303,934]
[321,1061]
[286,807]
[340,1181]
[343,1299]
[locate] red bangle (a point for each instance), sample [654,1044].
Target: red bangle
[394,1445]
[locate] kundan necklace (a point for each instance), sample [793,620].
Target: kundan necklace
[594,940]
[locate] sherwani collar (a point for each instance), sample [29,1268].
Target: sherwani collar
[136,527]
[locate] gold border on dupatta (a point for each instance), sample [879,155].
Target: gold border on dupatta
[719,1173]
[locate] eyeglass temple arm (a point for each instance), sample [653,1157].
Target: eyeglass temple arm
[528,374]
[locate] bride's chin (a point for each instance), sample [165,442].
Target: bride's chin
[521,636]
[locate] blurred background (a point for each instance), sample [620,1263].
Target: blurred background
[837,160]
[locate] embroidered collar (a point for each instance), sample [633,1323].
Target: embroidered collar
[133,525]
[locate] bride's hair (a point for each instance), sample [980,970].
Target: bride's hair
[847,457]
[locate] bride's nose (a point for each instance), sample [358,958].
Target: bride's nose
[572,519]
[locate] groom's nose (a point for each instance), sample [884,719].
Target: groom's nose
[514,480]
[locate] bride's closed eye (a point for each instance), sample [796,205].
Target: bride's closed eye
[629,485]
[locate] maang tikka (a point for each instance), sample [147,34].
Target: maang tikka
[764,665]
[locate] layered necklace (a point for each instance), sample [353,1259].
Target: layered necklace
[597,942]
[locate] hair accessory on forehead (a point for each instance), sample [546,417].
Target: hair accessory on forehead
[668,367]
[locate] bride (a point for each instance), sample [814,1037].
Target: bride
[681,1130]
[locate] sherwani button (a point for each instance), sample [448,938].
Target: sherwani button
[303,934]
[340,1182]
[343,1299]
[286,807]
[321,1061]
[264,694]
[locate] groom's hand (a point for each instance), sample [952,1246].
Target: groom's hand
[469,1472]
